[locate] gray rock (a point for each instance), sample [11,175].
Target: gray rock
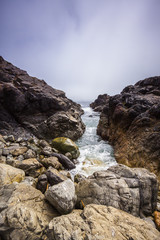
[42,183]
[62,196]
[29,154]
[24,213]
[51,162]
[66,162]
[132,190]
[98,222]
[54,176]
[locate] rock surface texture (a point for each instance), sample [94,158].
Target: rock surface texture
[24,213]
[29,106]
[131,190]
[130,121]
[100,102]
[97,222]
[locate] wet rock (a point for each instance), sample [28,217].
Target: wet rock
[29,107]
[66,145]
[9,174]
[131,190]
[66,162]
[51,162]
[62,196]
[54,177]
[25,214]
[100,222]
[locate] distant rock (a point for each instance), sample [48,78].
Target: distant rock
[131,190]
[28,106]
[131,123]
[98,222]
[100,102]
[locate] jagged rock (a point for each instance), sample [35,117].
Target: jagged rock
[131,190]
[66,145]
[9,174]
[54,176]
[29,107]
[62,196]
[31,166]
[51,162]
[66,162]
[100,102]
[24,213]
[130,121]
[100,223]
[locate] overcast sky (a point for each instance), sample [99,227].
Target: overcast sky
[83,47]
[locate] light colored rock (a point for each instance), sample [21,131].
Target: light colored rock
[51,161]
[24,214]
[9,174]
[29,154]
[31,166]
[132,190]
[98,222]
[62,196]
[66,145]
[19,151]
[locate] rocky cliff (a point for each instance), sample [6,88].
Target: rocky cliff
[130,121]
[28,106]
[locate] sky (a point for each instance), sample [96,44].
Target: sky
[83,47]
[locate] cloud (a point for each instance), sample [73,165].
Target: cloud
[83,47]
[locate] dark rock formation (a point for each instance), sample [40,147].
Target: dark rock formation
[100,102]
[29,106]
[130,121]
[131,190]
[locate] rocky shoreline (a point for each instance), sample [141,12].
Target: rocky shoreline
[130,121]
[39,199]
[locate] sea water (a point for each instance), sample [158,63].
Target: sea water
[95,154]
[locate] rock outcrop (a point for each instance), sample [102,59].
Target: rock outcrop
[130,121]
[100,102]
[28,106]
[97,222]
[131,190]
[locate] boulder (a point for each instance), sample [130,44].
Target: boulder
[29,107]
[131,190]
[51,162]
[54,177]
[9,174]
[100,102]
[24,213]
[100,222]
[62,196]
[42,183]
[66,145]
[65,161]
[31,166]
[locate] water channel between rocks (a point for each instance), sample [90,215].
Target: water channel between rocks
[95,154]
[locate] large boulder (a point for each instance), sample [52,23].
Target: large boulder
[9,174]
[24,213]
[130,121]
[131,190]
[97,222]
[28,106]
[66,145]
[62,196]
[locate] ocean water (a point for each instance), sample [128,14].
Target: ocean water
[95,154]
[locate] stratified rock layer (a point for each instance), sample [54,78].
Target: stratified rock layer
[97,222]
[131,190]
[131,123]
[29,106]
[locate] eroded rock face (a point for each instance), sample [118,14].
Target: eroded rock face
[24,214]
[100,102]
[100,223]
[131,190]
[130,121]
[28,106]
